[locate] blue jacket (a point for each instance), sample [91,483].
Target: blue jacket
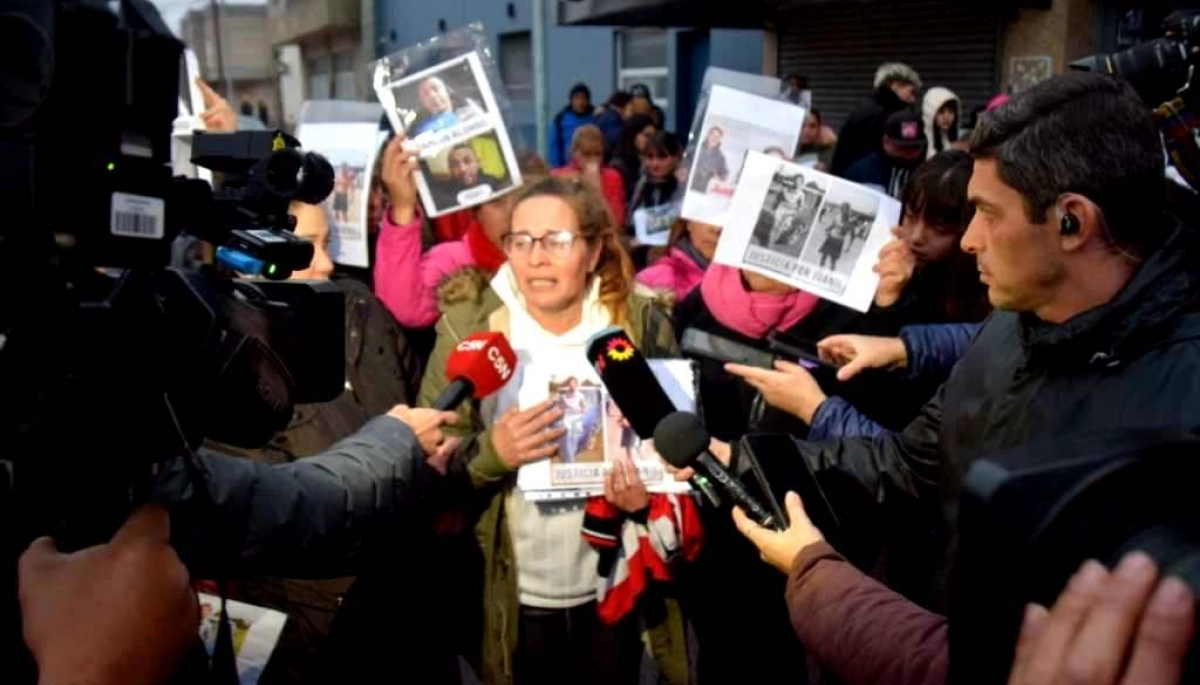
[562,128]
[932,353]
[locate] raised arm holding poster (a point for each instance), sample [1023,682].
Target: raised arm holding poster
[808,229]
[734,124]
[452,115]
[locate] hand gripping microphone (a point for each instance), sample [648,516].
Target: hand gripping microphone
[480,365]
[683,442]
[629,380]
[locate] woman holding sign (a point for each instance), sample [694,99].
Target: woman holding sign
[567,278]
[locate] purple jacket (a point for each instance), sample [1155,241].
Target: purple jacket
[407,281]
[674,271]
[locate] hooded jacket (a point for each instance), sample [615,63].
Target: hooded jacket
[862,133]
[935,99]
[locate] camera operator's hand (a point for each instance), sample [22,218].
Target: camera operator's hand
[856,353]
[1109,628]
[427,424]
[217,116]
[121,613]
[780,549]
[521,437]
[789,387]
[895,268]
[399,178]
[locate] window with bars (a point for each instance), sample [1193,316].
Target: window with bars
[317,72]
[345,77]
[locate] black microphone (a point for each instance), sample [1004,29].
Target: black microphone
[632,385]
[682,440]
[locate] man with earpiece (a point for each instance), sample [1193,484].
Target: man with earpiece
[1096,327]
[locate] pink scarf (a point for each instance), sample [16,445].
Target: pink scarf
[749,313]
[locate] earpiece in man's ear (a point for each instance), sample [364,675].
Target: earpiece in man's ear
[1070,223]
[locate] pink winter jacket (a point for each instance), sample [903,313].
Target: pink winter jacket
[674,271]
[407,281]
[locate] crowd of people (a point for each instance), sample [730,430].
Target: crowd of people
[1037,283]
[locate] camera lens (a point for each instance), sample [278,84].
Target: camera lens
[1157,70]
[316,179]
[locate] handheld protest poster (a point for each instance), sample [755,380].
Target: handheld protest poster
[445,97]
[597,432]
[808,229]
[351,149]
[734,124]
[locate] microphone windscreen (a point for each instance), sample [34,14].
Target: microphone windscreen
[631,384]
[680,438]
[485,359]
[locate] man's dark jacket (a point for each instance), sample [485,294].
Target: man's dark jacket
[862,132]
[1132,363]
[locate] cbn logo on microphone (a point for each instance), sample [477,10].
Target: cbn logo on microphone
[499,362]
[471,345]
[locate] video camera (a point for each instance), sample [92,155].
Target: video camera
[1028,519]
[113,362]
[1163,72]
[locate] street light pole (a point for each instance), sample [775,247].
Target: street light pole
[538,38]
[215,6]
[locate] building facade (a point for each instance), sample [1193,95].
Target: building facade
[671,62]
[247,59]
[319,49]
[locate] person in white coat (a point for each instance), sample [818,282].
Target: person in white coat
[941,112]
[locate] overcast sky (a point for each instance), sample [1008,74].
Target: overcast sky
[173,10]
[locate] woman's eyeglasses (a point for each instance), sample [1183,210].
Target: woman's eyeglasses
[557,244]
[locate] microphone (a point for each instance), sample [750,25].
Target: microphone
[480,365]
[629,381]
[682,441]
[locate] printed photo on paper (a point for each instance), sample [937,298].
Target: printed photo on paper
[467,173]
[735,124]
[808,229]
[652,225]
[451,116]
[597,432]
[255,629]
[351,151]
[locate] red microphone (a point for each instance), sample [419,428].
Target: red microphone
[480,365]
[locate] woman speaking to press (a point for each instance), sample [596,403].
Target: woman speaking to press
[566,279]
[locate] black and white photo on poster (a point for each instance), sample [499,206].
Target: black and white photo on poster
[652,225]
[462,174]
[789,211]
[808,229]
[452,116]
[840,233]
[734,124]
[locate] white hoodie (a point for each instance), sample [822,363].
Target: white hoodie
[935,99]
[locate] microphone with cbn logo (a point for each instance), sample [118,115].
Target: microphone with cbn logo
[480,365]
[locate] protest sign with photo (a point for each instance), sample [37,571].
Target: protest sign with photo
[255,630]
[652,225]
[734,124]
[808,229]
[350,149]
[597,432]
[451,115]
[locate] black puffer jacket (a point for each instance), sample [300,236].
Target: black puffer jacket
[862,133]
[1131,364]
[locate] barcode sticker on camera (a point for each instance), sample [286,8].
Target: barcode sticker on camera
[137,216]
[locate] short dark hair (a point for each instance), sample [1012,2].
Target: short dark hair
[937,191]
[620,98]
[664,143]
[1081,133]
[816,113]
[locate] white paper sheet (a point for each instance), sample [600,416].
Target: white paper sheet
[735,123]
[351,149]
[256,631]
[466,155]
[808,229]
[596,433]
[652,225]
